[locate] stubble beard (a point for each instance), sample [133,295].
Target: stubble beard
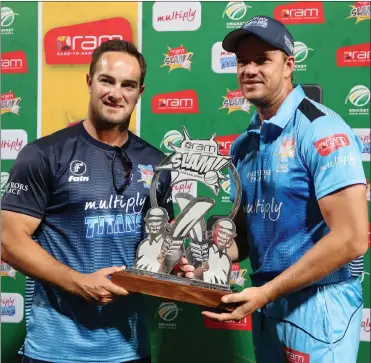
[103,123]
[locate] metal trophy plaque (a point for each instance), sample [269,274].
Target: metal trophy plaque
[157,255]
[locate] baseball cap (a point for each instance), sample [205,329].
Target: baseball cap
[271,30]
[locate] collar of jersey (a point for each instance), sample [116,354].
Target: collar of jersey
[102,145]
[284,113]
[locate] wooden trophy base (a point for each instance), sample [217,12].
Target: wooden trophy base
[172,287]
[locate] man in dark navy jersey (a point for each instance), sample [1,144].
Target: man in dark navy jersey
[73,213]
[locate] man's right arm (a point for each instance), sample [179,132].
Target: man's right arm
[21,252]
[25,201]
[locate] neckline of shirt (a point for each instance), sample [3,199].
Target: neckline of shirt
[102,145]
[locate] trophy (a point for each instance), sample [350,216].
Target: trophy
[195,160]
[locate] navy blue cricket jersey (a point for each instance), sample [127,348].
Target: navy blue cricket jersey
[66,180]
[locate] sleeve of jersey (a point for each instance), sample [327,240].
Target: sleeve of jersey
[27,190]
[164,194]
[333,154]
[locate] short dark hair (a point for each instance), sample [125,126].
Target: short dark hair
[117,45]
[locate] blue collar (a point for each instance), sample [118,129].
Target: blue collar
[284,113]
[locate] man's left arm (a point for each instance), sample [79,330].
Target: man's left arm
[332,154]
[345,213]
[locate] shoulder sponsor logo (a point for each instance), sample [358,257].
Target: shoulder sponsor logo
[10,103]
[7,270]
[78,169]
[177,58]
[294,356]
[345,160]
[176,16]
[235,101]
[364,136]
[366,326]
[146,175]
[75,44]
[168,313]
[368,196]
[360,11]
[12,306]
[327,145]
[14,62]
[300,13]
[301,52]
[222,61]
[15,188]
[12,142]
[235,11]
[7,19]
[245,324]
[353,56]
[176,102]
[358,96]
[4,182]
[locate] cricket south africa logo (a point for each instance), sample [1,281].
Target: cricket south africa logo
[301,52]
[359,96]
[172,137]
[236,10]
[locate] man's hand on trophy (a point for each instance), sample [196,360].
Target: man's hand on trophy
[184,269]
[241,304]
[97,286]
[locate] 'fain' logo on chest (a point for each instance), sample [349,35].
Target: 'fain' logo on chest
[78,169]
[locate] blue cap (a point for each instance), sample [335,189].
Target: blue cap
[270,30]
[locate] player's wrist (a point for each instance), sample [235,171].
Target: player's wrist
[73,281]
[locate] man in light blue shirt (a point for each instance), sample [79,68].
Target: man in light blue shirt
[303,210]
